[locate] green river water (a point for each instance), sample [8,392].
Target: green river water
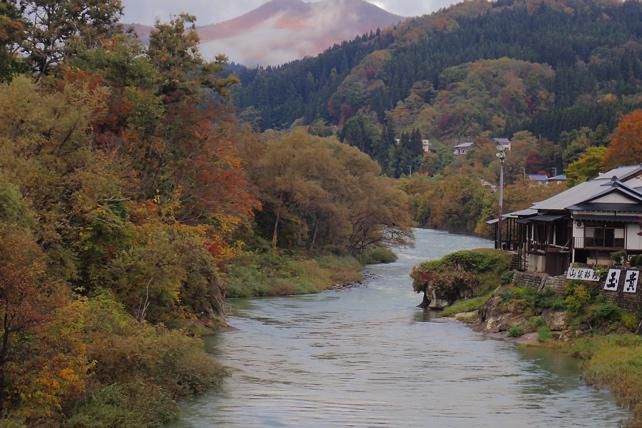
[367,357]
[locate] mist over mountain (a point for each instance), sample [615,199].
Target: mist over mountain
[284,30]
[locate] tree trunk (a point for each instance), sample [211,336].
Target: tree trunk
[314,234]
[275,233]
[3,358]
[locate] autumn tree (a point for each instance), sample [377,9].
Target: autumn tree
[589,165]
[173,50]
[11,33]
[121,190]
[320,193]
[54,28]
[626,145]
[27,301]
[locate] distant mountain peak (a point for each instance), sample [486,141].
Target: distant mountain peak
[280,31]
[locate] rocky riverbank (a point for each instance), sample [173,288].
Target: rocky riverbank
[574,317]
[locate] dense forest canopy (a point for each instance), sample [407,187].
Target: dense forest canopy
[128,189]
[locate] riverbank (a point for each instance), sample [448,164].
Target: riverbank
[270,273]
[575,318]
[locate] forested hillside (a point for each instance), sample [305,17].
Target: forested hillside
[589,51]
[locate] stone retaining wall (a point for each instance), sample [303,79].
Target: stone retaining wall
[629,301]
[541,281]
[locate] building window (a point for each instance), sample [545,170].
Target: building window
[604,235]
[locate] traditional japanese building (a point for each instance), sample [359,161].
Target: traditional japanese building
[584,224]
[463,148]
[504,143]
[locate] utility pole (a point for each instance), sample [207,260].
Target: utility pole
[501,154]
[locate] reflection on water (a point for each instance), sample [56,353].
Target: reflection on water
[366,357]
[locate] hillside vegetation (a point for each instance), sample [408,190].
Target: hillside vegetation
[132,201]
[557,78]
[584,69]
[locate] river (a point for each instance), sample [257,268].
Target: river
[367,357]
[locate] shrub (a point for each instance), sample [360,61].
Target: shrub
[462,274]
[506,277]
[618,256]
[536,322]
[467,305]
[515,331]
[603,314]
[577,296]
[636,261]
[630,321]
[131,404]
[377,255]
[523,294]
[479,260]
[544,334]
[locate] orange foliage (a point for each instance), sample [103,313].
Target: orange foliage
[211,174]
[626,145]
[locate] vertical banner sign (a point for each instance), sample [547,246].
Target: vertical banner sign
[612,280]
[631,281]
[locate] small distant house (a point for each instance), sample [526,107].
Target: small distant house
[488,185]
[504,143]
[584,224]
[463,148]
[426,145]
[558,179]
[539,178]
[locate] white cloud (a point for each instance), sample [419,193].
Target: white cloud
[413,7]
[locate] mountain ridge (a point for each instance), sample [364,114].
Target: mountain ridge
[409,74]
[280,31]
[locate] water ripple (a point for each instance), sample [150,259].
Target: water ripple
[359,358]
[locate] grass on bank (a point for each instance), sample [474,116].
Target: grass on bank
[272,274]
[614,361]
[467,305]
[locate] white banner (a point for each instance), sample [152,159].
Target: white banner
[612,280]
[583,274]
[631,281]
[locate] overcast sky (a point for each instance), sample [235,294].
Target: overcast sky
[211,11]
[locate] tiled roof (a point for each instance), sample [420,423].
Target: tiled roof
[561,177]
[587,190]
[538,177]
[464,145]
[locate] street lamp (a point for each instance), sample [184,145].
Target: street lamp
[501,155]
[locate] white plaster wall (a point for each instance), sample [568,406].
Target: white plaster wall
[633,240]
[578,232]
[614,198]
[599,261]
[536,263]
